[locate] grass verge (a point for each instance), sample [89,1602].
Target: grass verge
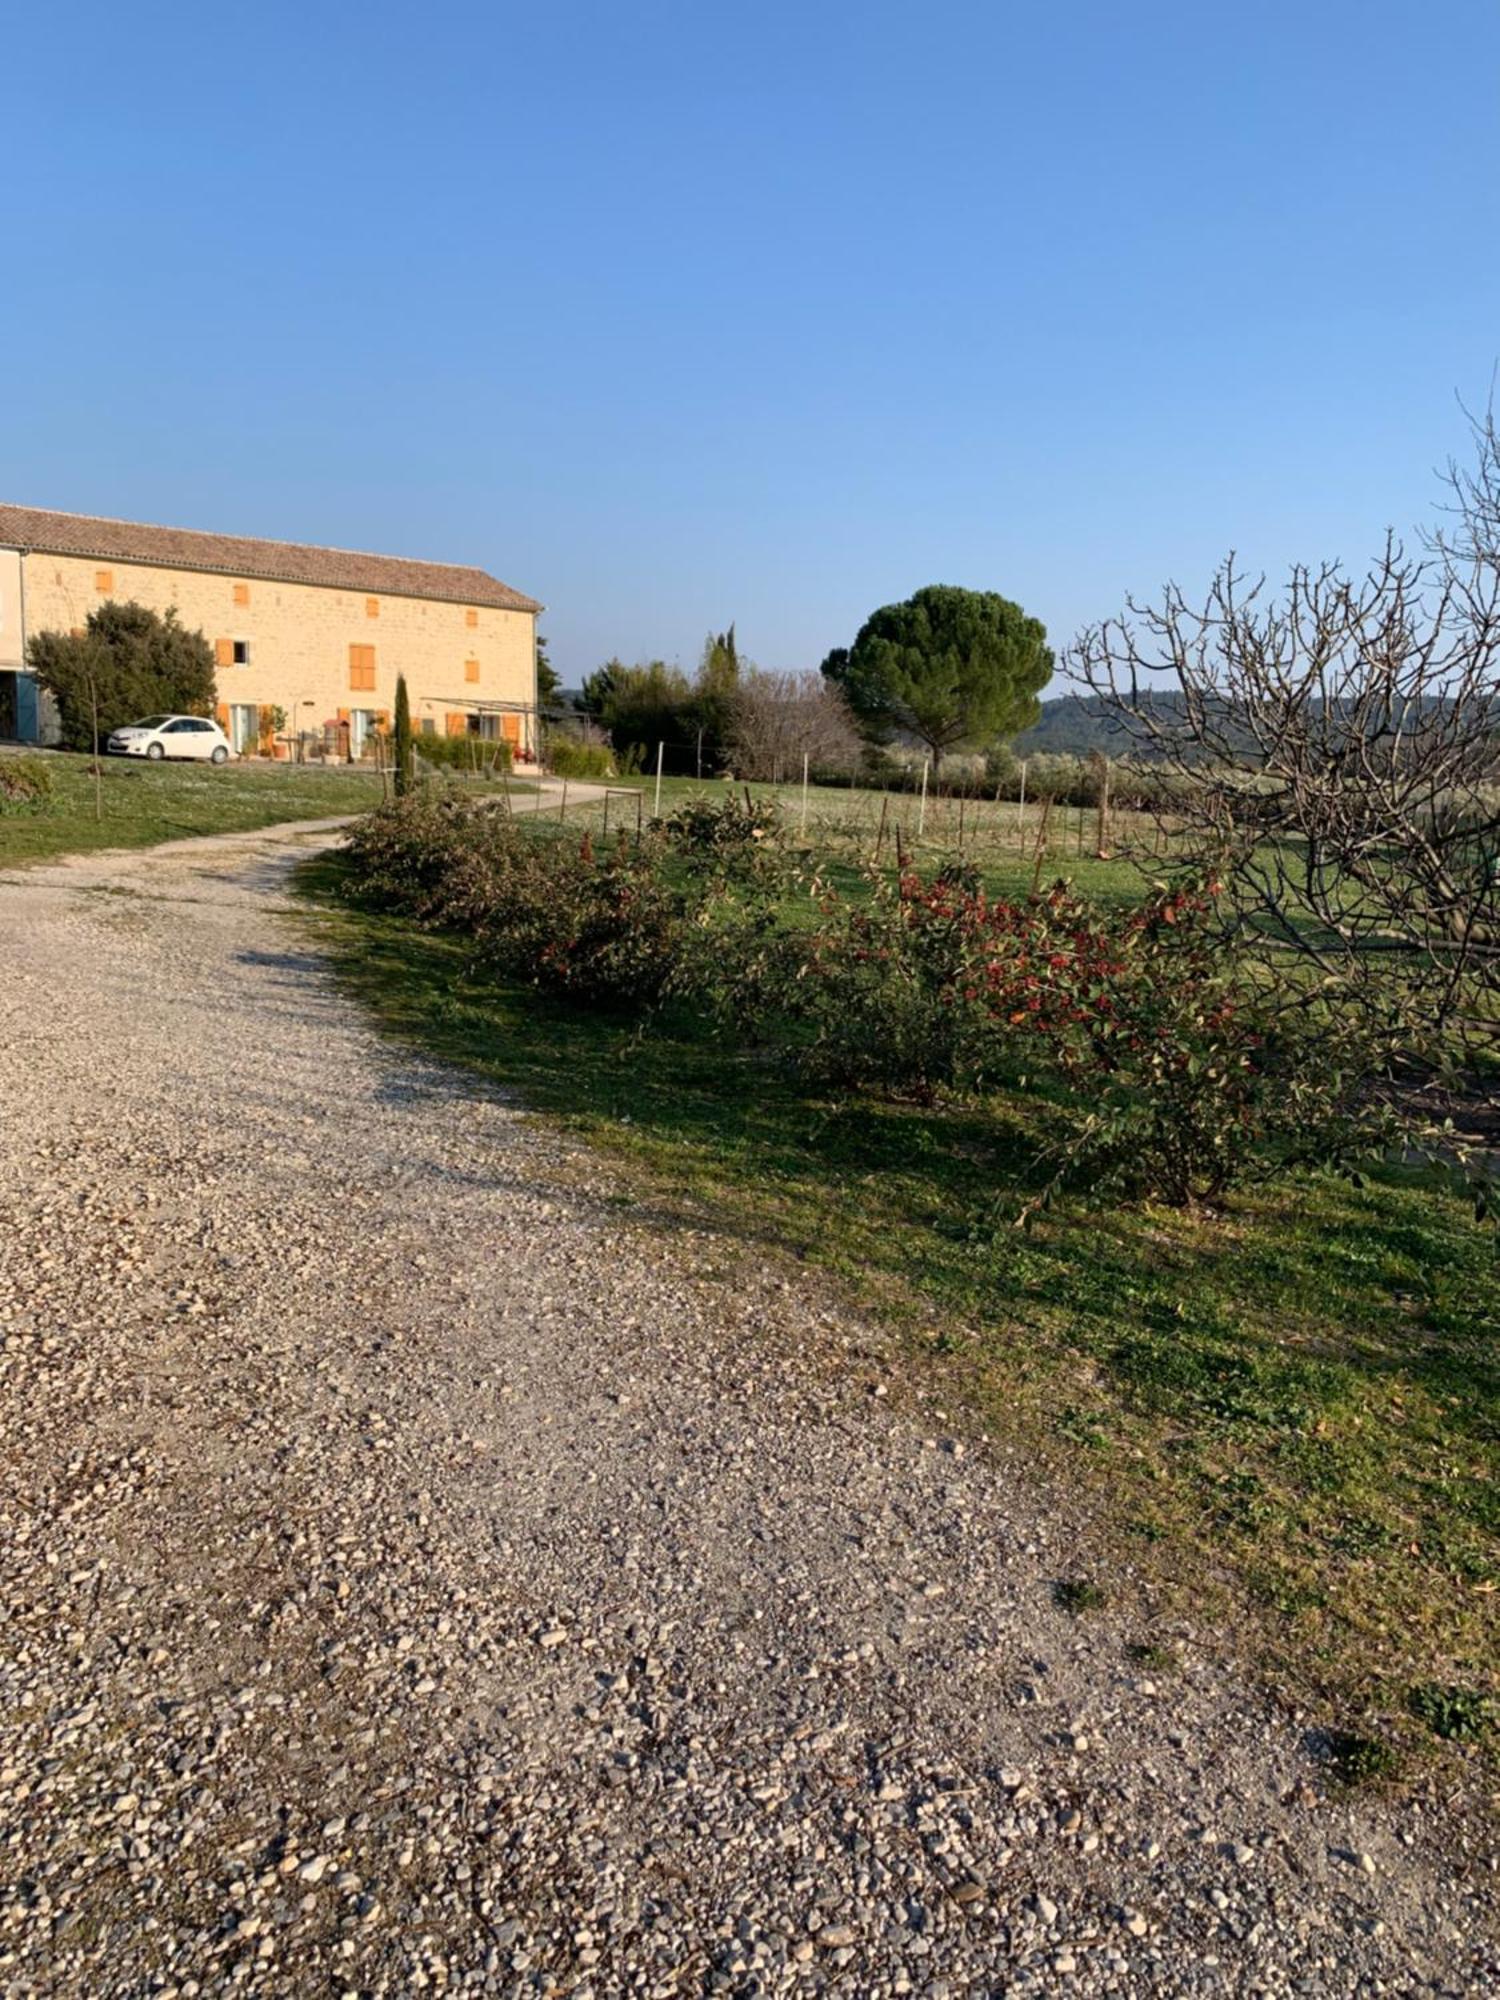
[143,803]
[1295,1402]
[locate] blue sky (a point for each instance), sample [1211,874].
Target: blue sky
[676,314]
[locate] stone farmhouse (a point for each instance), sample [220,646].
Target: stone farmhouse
[318,634]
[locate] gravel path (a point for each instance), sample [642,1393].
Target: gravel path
[414,1577]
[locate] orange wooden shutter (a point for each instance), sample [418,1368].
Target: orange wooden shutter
[242,593]
[224,652]
[457,725]
[471,618]
[361,666]
[221,716]
[511,729]
[104,579]
[372,607]
[471,669]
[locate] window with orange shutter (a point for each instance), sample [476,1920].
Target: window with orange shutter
[104,579]
[372,607]
[242,593]
[471,618]
[362,667]
[471,669]
[224,652]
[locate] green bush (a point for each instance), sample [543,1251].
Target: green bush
[1193,1076]
[605,932]
[25,785]
[873,991]
[538,907]
[716,827]
[1168,1070]
[126,663]
[480,755]
[1174,1074]
[435,856]
[568,758]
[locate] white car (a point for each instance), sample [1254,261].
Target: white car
[161,736]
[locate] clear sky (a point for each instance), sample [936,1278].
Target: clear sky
[677,314]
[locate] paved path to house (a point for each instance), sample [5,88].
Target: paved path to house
[415,1576]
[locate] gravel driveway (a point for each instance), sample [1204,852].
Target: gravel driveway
[419,1575]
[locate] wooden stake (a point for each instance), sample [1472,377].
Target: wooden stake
[1041,844]
[660,753]
[1103,842]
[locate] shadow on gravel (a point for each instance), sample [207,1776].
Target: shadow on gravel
[305,964]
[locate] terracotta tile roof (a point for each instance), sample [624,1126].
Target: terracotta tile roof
[240,555]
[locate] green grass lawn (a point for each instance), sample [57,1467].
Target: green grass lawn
[144,803]
[1290,1411]
[849,827]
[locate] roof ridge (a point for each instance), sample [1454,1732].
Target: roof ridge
[219,534]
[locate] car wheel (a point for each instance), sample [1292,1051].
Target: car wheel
[155,751]
[220,755]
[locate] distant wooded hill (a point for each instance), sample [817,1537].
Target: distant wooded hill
[1072,725]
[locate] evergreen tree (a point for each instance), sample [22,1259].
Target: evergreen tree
[713,699]
[404,774]
[948,666]
[548,679]
[129,659]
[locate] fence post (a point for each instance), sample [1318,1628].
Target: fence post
[656,807]
[563,808]
[804,795]
[1103,842]
[1021,808]
[922,808]
[1041,843]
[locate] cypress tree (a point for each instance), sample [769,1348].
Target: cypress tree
[403,739]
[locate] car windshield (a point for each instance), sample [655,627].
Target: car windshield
[150,722]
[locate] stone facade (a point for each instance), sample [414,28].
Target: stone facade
[327,656]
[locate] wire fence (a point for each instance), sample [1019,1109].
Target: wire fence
[871,825]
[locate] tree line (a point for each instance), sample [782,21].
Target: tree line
[947,669]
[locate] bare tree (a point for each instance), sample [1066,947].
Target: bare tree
[1331,754]
[777,719]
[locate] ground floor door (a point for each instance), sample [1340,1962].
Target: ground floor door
[28,714]
[244,727]
[361,722]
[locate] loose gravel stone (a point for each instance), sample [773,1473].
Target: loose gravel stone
[421,1574]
